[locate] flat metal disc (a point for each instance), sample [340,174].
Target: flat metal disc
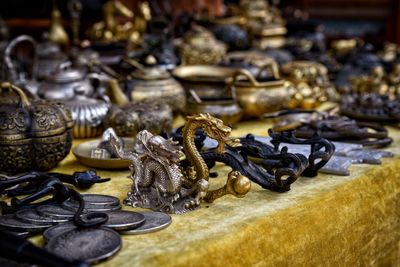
[56,230]
[32,216]
[9,221]
[124,220]
[154,221]
[56,212]
[90,245]
[90,207]
[97,199]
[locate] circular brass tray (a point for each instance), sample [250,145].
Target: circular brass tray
[82,153]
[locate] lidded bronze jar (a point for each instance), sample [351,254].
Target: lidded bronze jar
[34,134]
[200,47]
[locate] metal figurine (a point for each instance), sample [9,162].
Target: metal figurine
[111,30]
[57,33]
[159,181]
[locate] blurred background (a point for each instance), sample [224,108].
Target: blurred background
[374,21]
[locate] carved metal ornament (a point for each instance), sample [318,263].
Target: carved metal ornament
[128,120]
[161,183]
[346,154]
[372,107]
[34,135]
[332,127]
[275,165]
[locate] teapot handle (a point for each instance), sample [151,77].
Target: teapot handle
[7,56]
[246,74]
[271,66]
[24,101]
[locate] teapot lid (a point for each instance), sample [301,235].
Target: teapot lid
[151,71]
[67,75]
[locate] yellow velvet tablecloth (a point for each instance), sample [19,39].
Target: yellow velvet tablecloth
[323,221]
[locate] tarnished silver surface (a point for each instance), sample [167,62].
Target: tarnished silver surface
[90,245]
[10,222]
[97,199]
[56,230]
[55,211]
[124,220]
[32,216]
[90,207]
[368,156]
[154,221]
[337,165]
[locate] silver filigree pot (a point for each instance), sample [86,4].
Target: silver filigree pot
[88,114]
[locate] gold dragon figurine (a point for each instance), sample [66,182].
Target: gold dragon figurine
[161,183]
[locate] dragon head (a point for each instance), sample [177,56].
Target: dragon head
[157,145]
[215,129]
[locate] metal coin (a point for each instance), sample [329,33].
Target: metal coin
[90,207]
[56,230]
[8,221]
[154,221]
[124,220]
[55,211]
[32,216]
[90,245]
[96,199]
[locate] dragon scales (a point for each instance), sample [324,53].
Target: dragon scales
[161,183]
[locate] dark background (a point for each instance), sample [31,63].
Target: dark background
[374,20]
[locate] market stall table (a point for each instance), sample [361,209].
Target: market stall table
[327,220]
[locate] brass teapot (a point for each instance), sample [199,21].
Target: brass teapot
[258,96]
[34,135]
[156,84]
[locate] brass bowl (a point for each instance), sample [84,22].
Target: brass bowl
[206,81]
[82,153]
[257,97]
[224,108]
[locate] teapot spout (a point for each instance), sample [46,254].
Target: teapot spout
[117,96]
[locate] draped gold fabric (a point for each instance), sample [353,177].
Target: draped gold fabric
[323,221]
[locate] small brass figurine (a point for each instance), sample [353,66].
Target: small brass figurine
[160,183]
[57,33]
[111,30]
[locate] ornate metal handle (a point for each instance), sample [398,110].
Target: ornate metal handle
[246,74]
[24,101]
[272,67]
[7,56]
